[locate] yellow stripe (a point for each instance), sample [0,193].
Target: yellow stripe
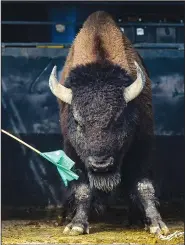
[48,46]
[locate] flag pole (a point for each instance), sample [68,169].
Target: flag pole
[62,162]
[29,146]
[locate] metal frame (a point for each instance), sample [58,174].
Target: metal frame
[178,46]
[80,23]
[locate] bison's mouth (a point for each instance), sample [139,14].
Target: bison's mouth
[100,164]
[103,173]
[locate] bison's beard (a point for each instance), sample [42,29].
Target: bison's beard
[104,182]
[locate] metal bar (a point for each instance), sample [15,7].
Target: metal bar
[35,23]
[35,45]
[134,3]
[179,46]
[80,23]
[68,45]
[151,24]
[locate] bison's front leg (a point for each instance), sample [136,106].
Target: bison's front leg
[144,195]
[79,224]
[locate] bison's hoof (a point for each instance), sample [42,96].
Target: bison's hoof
[158,228]
[75,230]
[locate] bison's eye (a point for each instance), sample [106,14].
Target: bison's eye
[79,125]
[76,122]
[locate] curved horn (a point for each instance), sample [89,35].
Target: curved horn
[63,93]
[132,91]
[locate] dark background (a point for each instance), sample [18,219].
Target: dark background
[30,111]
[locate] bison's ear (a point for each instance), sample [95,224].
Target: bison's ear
[132,91]
[61,92]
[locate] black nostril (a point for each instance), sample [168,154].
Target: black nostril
[110,161]
[90,160]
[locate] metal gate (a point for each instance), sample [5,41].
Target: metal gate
[30,111]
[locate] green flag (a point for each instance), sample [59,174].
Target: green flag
[63,164]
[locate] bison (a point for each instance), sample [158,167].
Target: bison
[105,103]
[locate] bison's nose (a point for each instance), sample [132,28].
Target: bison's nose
[100,164]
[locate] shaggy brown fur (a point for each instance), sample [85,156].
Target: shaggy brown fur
[101,38]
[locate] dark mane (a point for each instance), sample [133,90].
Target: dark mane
[98,73]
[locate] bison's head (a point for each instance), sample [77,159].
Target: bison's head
[102,116]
